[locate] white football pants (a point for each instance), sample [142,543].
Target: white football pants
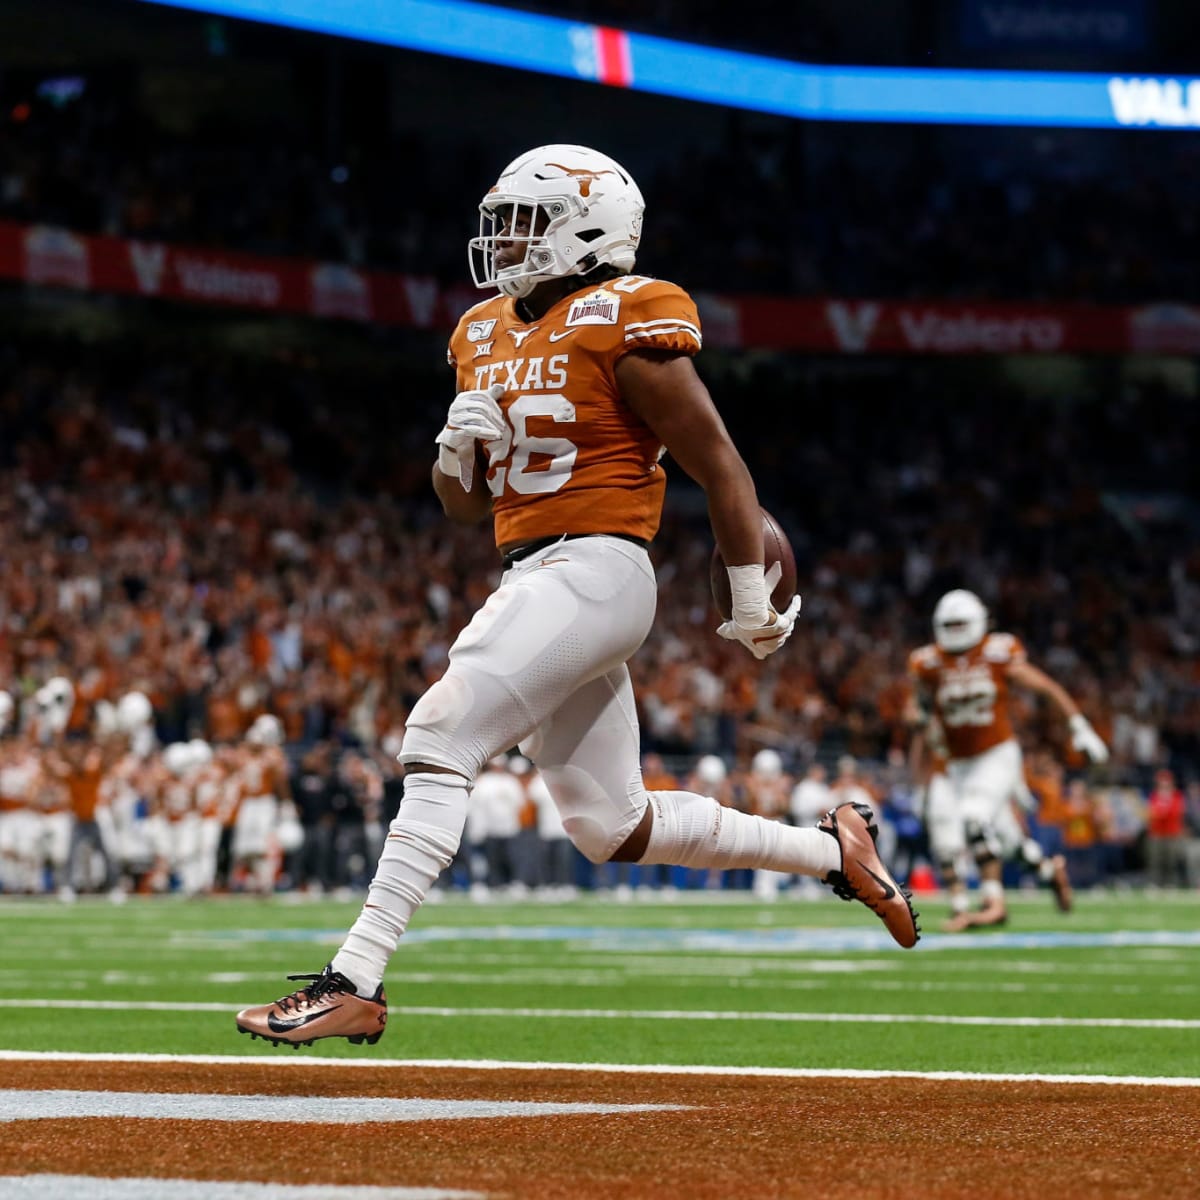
[542,664]
[985,788]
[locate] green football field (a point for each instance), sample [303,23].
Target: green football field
[1111,989]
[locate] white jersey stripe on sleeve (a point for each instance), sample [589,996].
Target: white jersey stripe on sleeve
[640,335]
[674,321]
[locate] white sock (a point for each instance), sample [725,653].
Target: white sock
[695,831]
[420,844]
[991,891]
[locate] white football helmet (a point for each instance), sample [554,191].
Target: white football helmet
[134,712]
[767,764]
[960,621]
[288,831]
[592,213]
[711,770]
[267,730]
[104,719]
[200,753]
[55,700]
[177,758]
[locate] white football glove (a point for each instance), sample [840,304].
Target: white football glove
[473,416]
[764,639]
[1085,739]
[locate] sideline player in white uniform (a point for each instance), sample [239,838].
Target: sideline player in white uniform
[499,797]
[181,816]
[571,385]
[20,825]
[264,793]
[944,829]
[963,680]
[768,788]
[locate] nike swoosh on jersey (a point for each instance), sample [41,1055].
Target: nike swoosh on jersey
[278,1026]
[558,337]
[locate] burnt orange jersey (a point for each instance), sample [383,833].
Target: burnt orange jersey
[83,787]
[1047,787]
[575,458]
[768,797]
[969,691]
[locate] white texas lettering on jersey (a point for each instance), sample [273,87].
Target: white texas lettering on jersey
[524,374]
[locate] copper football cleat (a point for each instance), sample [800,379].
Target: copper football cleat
[328,1007]
[863,876]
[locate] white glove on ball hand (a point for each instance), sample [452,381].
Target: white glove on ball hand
[1086,740]
[765,639]
[473,416]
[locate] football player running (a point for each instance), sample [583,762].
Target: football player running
[962,681]
[572,384]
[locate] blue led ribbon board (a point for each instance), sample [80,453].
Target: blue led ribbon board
[551,45]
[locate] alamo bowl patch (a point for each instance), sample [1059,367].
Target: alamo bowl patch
[596,308]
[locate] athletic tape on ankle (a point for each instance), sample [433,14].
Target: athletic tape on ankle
[695,831]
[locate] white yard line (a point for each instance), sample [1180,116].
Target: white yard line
[60,1104]
[71,1187]
[651,1014]
[284,1061]
[617,977]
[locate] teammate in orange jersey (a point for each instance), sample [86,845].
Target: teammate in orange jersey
[963,681]
[572,383]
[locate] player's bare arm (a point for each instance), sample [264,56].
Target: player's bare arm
[918,756]
[667,394]
[461,506]
[916,719]
[1026,675]
[1083,736]
[918,706]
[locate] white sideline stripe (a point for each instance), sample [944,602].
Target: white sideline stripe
[493,1064]
[52,1104]
[804,1017]
[656,1014]
[71,1187]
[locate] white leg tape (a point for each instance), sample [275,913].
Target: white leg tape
[695,831]
[421,843]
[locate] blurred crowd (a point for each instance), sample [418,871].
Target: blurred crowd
[117,812]
[215,535]
[791,213]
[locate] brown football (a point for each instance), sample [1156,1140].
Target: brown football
[776,549]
